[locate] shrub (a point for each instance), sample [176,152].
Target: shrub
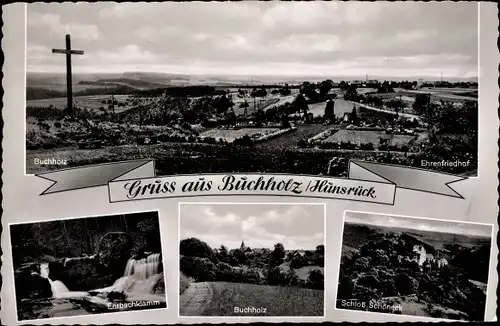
[298,262]
[345,289]
[244,141]
[316,280]
[367,146]
[362,264]
[224,272]
[405,284]
[201,269]
[302,143]
[275,276]
[194,247]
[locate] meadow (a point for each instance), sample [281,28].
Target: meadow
[278,300]
[341,107]
[369,136]
[94,102]
[230,135]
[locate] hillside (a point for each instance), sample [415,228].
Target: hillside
[378,265]
[136,83]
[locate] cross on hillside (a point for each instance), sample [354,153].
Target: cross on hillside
[69,80]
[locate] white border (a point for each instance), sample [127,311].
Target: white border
[103,313]
[479,115]
[25,102]
[261,318]
[429,319]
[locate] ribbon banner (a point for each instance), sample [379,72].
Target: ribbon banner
[367,182]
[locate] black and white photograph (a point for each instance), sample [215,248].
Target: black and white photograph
[91,265]
[251,260]
[414,266]
[253,86]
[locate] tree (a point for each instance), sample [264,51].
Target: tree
[316,280]
[320,249]
[277,255]
[285,123]
[223,104]
[309,89]
[354,115]
[351,94]
[194,247]
[223,253]
[330,109]
[300,104]
[325,87]
[421,101]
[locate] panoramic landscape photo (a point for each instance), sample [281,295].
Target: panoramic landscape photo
[91,265]
[252,260]
[414,266]
[252,86]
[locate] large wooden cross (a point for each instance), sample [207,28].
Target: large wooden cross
[69,79]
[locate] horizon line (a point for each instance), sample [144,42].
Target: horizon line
[250,75]
[408,228]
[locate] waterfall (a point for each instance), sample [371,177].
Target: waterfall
[140,276]
[59,289]
[143,268]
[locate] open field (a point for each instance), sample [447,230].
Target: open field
[290,140]
[90,102]
[341,107]
[230,135]
[278,300]
[445,95]
[303,272]
[369,136]
[62,87]
[260,104]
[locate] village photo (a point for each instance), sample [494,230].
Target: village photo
[414,266]
[92,265]
[252,86]
[252,260]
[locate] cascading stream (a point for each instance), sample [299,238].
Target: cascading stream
[59,289]
[139,279]
[143,268]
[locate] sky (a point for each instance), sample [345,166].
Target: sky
[258,225]
[420,224]
[337,38]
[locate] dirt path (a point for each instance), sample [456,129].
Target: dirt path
[194,300]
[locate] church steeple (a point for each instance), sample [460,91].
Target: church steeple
[242,245]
